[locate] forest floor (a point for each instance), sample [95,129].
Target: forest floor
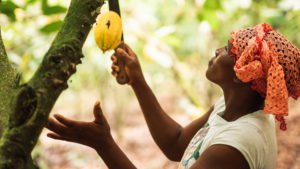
[135,140]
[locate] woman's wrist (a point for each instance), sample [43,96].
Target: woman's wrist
[104,147]
[140,82]
[114,157]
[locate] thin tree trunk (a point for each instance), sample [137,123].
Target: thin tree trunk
[24,109]
[7,85]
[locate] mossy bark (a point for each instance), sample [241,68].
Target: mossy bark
[24,109]
[7,85]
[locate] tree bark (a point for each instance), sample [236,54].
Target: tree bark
[24,109]
[7,85]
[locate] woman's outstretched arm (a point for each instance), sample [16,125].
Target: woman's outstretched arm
[95,134]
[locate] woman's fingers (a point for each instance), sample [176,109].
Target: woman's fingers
[65,121]
[114,59]
[114,74]
[58,137]
[57,127]
[115,68]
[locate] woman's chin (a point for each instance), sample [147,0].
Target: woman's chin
[211,75]
[208,73]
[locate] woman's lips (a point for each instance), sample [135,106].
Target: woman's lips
[211,61]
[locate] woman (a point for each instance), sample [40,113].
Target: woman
[258,70]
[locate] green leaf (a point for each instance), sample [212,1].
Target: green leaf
[209,13]
[50,10]
[172,40]
[276,21]
[212,4]
[7,8]
[210,16]
[51,27]
[29,2]
[54,10]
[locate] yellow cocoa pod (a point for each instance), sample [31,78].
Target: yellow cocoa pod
[108,31]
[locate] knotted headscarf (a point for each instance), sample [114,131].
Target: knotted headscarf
[271,63]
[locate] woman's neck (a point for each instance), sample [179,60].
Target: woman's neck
[240,101]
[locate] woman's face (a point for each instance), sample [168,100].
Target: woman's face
[220,68]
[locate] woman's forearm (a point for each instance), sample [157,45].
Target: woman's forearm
[164,130]
[114,157]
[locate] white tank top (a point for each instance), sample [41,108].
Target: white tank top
[253,135]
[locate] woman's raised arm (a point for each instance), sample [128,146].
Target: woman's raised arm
[171,137]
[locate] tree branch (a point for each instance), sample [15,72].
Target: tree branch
[7,85]
[41,92]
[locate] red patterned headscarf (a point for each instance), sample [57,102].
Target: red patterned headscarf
[271,63]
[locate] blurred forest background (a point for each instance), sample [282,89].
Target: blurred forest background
[173,39]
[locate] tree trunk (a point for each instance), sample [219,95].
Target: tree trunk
[24,109]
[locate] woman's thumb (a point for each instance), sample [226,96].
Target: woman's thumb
[98,114]
[124,56]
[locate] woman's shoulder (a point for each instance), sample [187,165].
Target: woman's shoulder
[258,120]
[255,139]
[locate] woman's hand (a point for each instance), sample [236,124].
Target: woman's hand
[95,134]
[132,65]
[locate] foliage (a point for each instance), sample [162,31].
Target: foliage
[173,39]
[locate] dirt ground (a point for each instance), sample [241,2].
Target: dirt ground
[137,143]
[289,141]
